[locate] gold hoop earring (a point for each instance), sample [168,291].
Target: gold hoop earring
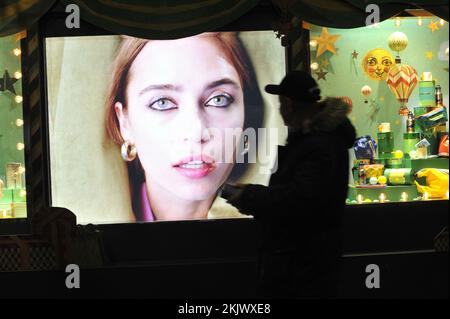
[128,151]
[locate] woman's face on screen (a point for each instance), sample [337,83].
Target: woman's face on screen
[182,97]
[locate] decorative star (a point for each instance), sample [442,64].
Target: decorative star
[429,55]
[321,75]
[325,62]
[6,83]
[354,54]
[382,98]
[325,42]
[433,26]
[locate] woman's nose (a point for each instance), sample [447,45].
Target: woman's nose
[194,128]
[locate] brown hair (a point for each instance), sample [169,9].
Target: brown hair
[129,49]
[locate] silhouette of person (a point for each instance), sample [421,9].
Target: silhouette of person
[300,210]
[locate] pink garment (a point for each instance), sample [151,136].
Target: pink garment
[147,214]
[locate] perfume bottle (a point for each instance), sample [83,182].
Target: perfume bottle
[410,123]
[438,94]
[361,174]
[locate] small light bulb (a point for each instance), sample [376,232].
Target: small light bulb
[22,193]
[360,198]
[397,22]
[18,99]
[313,43]
[382,197]
[425,196]
[21,170]
[18,75]
[420,22]
[446,195]
[404,197]
[20,146]
[442,22]
[314,66]
[3,213]
[17,52]
[19,122]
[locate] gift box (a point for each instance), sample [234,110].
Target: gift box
[433,118]
[365,148]
[399,176]
[427,91]
[373,170]
[385,144]
[409,142]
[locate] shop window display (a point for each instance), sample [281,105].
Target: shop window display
[394,76]
[12,159]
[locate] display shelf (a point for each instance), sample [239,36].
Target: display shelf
[392,194]
[435,162]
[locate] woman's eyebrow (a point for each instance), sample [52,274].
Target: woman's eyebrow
[224,81]
[169,87]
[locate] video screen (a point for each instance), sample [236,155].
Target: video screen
[150,130]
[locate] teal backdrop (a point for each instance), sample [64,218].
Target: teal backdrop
[345,77]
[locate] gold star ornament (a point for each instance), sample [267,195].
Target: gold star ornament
[325,42]
[433,26]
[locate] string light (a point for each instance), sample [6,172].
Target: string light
[404,197]
[314,66]
[425,196]
[22,193]
[18,99]
[17,52]
[442,22]
[20,146]
[382,197]
[420,22]
[18,75]
[397,22]
[446,195]
[360,198]
[313,43]
[19,122]
[21,170]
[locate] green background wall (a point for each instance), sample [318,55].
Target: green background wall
[346,77]
[10,134]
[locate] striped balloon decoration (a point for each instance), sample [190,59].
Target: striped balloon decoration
[402,80]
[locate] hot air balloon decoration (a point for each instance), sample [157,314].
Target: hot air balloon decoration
[402,79]
[398,41]
[366,91]
[347,101]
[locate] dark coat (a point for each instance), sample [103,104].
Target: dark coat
[301,209]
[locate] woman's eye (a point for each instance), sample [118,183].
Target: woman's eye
[162,104]
[221,100]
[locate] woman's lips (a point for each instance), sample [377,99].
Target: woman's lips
[195,166]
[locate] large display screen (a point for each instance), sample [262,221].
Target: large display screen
[149,130]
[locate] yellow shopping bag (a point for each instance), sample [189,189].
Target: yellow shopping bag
[436,180]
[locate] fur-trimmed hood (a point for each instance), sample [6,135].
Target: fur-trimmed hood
[331,117]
